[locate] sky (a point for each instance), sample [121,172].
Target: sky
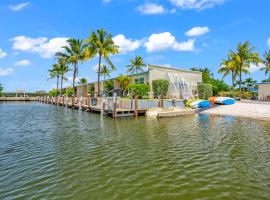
[178,33]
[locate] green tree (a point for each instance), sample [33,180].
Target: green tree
[63,68]
[101,44]
[266,62]
[82,81]
[55,73]
[228,67]
[124,82]
[75,52]
[136,65]
[244,56]
[1,90]
[105,71]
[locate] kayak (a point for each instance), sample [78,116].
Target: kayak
[200,104]
[224,100]
[190,101]
[212,100]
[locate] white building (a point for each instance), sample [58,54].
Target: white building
[264,91]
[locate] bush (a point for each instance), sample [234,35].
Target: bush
[205,91]
[54,93]
[160,87]
[141,90]
[69,92]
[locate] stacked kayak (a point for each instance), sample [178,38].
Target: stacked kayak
[224,100]
[212,100]
[200,104]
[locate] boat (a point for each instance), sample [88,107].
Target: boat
[200,104]
[224,100]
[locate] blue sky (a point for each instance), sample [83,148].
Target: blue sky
[180,33]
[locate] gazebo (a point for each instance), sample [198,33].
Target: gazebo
[20,91]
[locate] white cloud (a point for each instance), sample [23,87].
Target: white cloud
[196,4]
[268,42]
[2,53]
[197,31]
[125,44]
[23,63]
[185,46]
[163,41]
[254,68]
[151,9]
[5,72]
[19,7]
[46,48]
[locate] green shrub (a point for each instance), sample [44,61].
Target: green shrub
[160,87]
[69,92]
[54,93]
[141,90]
[205,91]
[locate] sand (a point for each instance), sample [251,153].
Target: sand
[246,110]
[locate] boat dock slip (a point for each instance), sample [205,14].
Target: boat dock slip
[114,107]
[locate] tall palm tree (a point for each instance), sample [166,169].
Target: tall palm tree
[244,56]
[101,44]
[136,65]
[124,82]
[82,81]
[63,69]
[54,73]
[266,63]
[75,52]
[228,66]
[105,71]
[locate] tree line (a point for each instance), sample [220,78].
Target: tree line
[78,51]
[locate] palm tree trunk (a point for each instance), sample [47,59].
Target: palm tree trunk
[240,84]
[74,77]
[99,63]
[233,84]
[62,78]
[57,84]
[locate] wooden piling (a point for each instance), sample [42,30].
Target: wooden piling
[89,102]
[136,106]
[72,102]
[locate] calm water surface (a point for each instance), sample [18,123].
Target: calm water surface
[49,152]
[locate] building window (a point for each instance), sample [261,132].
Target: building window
[139,81]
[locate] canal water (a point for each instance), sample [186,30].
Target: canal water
[50,152]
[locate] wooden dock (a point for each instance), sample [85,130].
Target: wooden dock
[111,107]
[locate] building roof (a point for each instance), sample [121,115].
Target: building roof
[173,68]
[263,83]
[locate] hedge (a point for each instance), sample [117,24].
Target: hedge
[160,87]
[205,91]
[141,90]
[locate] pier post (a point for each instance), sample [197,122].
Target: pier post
[136,106]
[63,101]
[72,102]
[160,101]
[89,102]
[114,114]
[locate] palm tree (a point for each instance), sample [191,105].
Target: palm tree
[74,53]
[244,56]
[63,69]
[266,63]
[82,81]
[228,66]
[124,82]
[105,71]
[136,65]
[54,73]
[101,44]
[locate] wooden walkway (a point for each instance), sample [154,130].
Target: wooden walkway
[86,105]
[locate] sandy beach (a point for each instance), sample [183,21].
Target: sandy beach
[242,109]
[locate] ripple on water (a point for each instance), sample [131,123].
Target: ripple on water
[50,152]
